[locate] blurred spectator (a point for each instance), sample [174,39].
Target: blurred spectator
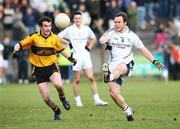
[132,15]
[15,3]
[103,8]
[49,11]
[171,30]
[23,6]
[151,8]
[176,22]
[1,20]
[93,8]
[97,26]
[164,8]
[141,14]
[86,17]
[73,5]
[115,6]
[7,42]
[23,67]
[160,38]
[30,20]
[8,19]
[19,29]
[177,8]
[60,5]
[174,67]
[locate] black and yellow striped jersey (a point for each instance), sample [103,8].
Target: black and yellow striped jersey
[42,50]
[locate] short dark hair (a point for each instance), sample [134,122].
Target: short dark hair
[123,15]
[44,18]
[77,13]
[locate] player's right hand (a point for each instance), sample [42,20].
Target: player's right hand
[108,47]
[14,54]
[158,64]
[88,49]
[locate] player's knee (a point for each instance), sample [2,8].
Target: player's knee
[57,84]
[77,81]
[91,79]
[59,88]
[46,99]
[113,93]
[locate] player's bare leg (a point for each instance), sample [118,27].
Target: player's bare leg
[77,98]
[56,79]
[97,100]
[43,88]
[114,90]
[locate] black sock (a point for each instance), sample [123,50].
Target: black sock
[56,109]
[62,97]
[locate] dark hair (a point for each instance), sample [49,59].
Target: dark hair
[77,13]
[123,15]
[44,18]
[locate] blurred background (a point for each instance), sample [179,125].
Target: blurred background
[156,22]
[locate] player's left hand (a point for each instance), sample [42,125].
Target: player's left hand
[14,54]
[158,64]
[72,60]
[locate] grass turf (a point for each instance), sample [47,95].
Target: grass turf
[156,105]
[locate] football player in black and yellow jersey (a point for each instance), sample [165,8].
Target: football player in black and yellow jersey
[44,45]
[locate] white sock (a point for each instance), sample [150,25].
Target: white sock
[96,97]
[77,99]
[127,111]
[111,78]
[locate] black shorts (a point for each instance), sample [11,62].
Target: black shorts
[42,74]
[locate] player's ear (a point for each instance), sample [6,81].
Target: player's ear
[125,22]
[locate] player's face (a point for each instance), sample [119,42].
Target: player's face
[46,28]
[119,23]
[77,20]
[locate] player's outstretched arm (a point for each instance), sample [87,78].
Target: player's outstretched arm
[70,58]
[150,57]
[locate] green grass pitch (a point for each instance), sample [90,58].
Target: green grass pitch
[156,104]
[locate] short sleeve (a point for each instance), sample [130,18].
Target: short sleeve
[58,46]
[26,42]
[64,34]
[137,42]
[1,47]
[90,32]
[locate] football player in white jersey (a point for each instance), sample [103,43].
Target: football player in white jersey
[120,42]
[81,39]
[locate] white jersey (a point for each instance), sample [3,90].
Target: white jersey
[122,45]
[78,37]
